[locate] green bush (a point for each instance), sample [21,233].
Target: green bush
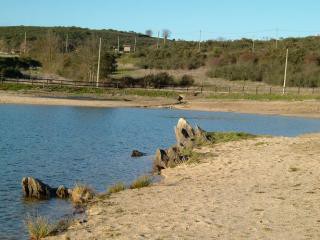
[186,81]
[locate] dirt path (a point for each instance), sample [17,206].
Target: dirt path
[267,188]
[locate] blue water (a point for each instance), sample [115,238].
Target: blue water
[64,145]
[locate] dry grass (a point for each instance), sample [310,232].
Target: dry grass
[82,193]
[38,227]
[118,187]
[140,182]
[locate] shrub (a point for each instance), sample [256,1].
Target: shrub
[186,81]
[81,194]
[11,72]
[38,227]
[143,181]
[118,187]
[161,80]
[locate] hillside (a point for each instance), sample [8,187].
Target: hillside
[72,52]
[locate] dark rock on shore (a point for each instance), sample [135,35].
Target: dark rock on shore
[35,188]
[136,153]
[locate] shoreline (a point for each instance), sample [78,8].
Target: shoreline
[265,191]
[306,108]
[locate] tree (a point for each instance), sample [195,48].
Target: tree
[149,32]
[166,33]
[108,64]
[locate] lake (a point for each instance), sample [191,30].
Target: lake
[65,145]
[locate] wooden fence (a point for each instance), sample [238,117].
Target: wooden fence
[209,89]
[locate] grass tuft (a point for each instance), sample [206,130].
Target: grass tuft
[118,187]
[222,137]
[82,193]
[38,227]
[141,182]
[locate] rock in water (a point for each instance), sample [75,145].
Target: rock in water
[185,134]
[136,153]
[62,192]
[34,188]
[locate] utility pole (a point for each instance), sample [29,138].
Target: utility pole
[285,73]
[158,40]
[253,46]
[118,44]
[200,37]
[25,43]
[67,42]
[277,32]
[135,44]
[98,69]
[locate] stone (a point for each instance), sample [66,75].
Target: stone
[161,160]
[62,192]
[185,134]
[34,188]
[136,153]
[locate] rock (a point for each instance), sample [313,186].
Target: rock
[161,160]
[167,158]
[34,188]
[187,137]
[136,153]
[62,192]
[180,98]
[185,134]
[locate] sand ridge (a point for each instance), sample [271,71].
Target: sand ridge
[266,188]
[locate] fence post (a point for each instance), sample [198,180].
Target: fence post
[313,90]
[270,91]
[299,90]
[257,90]
[242,89]
[229,90]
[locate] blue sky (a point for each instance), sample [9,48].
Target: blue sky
[185,18]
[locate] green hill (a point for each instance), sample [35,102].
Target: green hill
[72,52]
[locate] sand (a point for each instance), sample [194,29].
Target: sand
[307,108]
[28,99]
[266,188]
[310,108]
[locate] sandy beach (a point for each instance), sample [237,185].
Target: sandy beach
[266,188]
[308,108]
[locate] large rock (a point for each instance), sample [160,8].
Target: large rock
[166,158]
[184,133]
[187,137]
[34,188]
[161,160]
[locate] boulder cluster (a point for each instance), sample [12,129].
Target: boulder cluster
[187,137]
[34,188]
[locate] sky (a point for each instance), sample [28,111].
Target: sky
[228,19]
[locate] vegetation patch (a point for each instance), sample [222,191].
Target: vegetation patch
[222,137]
[38,227]
[141,182]
[81,194]
[263,97]
[118,187]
